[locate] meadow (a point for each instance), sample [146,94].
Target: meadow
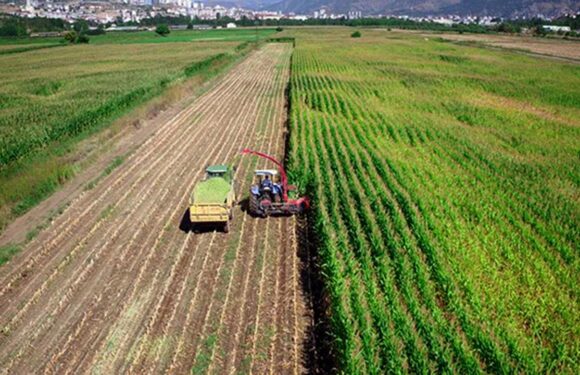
[147,37]
[51,98]
[445,181]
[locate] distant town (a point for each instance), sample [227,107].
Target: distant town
[135,11]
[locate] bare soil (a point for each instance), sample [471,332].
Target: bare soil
[114,285]
[566,49]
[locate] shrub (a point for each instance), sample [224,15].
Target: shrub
[539,31]
[81,26]
[83,38]
[356,34]
[505,27]
[162,30]
[279,29]
[70,36]
[74,38]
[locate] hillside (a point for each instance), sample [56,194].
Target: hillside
[513,8]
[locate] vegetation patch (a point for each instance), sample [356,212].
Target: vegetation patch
[57,97]
[48,88]
[6,252]
[453,59]
[446,239]
[285,39]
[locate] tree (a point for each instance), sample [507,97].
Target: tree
[13,27]
[539,31]
[506,27]
[81,26]
[162,29]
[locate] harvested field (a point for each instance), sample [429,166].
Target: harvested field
[542,46]
[114,286]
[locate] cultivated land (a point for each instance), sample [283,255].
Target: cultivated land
[569,49]
[444,229]
[52,98]
[149,37]
[446,184]
[114,286]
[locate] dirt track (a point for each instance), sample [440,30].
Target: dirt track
[113,285]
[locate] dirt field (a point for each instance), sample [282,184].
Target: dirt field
[113,285]
[542,46]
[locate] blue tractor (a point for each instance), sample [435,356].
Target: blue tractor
[270,193]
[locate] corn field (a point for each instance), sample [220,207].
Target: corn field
[48,95]
[446,181]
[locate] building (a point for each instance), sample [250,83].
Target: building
[265,15]
[555,29]
[231,25]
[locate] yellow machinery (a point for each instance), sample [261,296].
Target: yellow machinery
[213,199]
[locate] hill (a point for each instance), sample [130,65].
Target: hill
[515,8]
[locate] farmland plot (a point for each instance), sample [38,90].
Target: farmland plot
[114,286]
[445,189]
[50,99]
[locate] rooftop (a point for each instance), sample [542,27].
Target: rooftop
[217,169]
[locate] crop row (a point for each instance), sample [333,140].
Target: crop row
[426,233]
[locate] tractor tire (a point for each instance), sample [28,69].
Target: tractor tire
[254,206]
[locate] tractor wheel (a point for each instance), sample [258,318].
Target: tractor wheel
[255,206]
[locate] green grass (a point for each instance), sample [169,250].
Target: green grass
[182,36]
[6,252]
[148,37]
[10,49]
[445,188]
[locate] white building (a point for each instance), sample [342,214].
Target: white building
[231,25]
[556,28]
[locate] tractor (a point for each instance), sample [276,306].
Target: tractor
[270,193]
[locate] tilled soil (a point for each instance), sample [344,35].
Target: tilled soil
[114,285]
[565,49]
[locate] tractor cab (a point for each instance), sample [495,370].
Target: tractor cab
[267,184]
[266,174]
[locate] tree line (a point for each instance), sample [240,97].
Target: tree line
[13,26]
